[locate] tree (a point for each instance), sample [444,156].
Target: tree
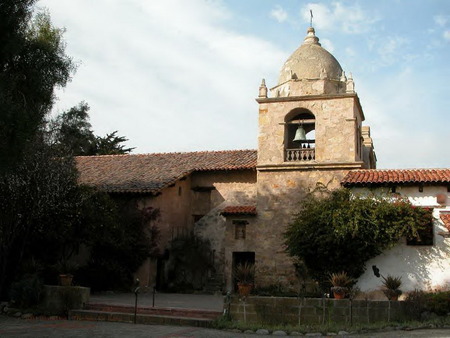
[71,132]
[111,145]
[32,63]
[42,190]
[341,232]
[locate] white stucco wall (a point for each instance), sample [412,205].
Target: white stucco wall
[421,267]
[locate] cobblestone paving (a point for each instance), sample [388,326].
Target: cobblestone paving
[13,327]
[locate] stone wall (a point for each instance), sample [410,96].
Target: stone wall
[231,188]
[279,195]
[61,299]
[200,194]
[294,311]
[337,120]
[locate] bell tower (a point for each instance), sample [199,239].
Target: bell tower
[313,116]
[310,134]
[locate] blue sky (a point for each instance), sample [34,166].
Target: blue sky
[182,75]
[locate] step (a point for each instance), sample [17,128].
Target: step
[159,311]
[93,315]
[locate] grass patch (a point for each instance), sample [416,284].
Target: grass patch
[225,324]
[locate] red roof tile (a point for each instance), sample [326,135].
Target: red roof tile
[149,173]
[239,210]
[395,176]
[446,220]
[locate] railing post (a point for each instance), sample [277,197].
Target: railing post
[136,291]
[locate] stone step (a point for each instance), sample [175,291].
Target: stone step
[93,315]
[158,311]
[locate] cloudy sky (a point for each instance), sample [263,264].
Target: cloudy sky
[182,75]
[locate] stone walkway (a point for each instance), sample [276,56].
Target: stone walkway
[13,327]
[185,301]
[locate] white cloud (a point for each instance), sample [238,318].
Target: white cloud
[441,20]
[350,52]
[406,124]
[327,44]
[347,18]
[446,35]
[391,49]
[279,14]
[169,80]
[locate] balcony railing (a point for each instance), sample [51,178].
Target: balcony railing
[300,154]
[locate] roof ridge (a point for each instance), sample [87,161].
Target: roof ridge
[170,153]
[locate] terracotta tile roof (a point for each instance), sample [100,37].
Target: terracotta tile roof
[395,176]
[239,210]
[149,173]
[445,218]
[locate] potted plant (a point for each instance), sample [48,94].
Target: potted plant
[65,269]
[245,276]
[341,283]
[391,287]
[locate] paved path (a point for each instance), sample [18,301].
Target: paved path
[13,327]
[190,301]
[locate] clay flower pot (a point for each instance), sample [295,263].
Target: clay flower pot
[339,292]
[244,289]
[65,279]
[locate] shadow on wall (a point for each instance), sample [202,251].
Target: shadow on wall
[426,267]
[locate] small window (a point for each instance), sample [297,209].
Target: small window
[240,229]
[179,191]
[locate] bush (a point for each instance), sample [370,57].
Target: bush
[420,301]
[341,232]
[27,292]
[439,302]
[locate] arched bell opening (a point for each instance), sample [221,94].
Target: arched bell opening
[300,137]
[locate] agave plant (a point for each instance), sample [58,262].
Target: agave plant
[391,287]
[341,279]
[245,273]
[341,283]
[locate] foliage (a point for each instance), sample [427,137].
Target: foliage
[39,197]
[32,63]
[190,261]
[340,232]
[117,250]
[391,282]
[111,144]
[341,279]
[419,301]
[27,291]
[439,302]
[245,273]
[71,133]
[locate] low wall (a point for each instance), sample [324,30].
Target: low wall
[61,299]
[294,311]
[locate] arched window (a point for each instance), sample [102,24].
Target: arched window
[300,138]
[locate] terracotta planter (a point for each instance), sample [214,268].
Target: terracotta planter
[65,279]
[244,289]
[339,292]
[339,295]
[395,297]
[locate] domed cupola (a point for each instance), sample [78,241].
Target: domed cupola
[310,70]
[311,62]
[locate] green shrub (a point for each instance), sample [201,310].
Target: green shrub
[420,301]
[27,292]
[439,302]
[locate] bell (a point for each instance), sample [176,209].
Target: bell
[300,134]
